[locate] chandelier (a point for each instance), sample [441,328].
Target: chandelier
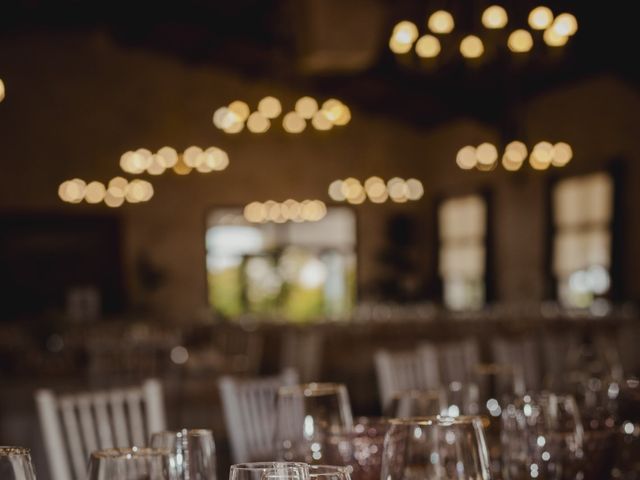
[193,158]
[234,117]
[114,194]
[376,190]
[288,211]
[485,156]
[554,32]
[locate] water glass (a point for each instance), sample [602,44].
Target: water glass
[194,452]
[132,464]
[329,472]
[269,471]
[15,464]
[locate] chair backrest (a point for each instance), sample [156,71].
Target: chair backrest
[250,413]
[75,425]
[406,370]
[523,355]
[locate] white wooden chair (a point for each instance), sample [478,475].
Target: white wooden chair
[458,360]
[522,354]
[75,425]
[407,370]
[250,413]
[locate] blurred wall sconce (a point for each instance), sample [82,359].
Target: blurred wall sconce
[485,157]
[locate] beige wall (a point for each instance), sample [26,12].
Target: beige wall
[76,102]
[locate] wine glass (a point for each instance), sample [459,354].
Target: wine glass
[435,447]
[329,472]
[15,464]
[194,451]
[308,416]
[416,403]
[269,471]
[132,464]
[543,437]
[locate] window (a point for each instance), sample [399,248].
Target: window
[462,226]
[582,211]
[292,271]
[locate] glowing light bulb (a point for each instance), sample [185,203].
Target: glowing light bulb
[306,107]
[562,154]
[405,32]
[270,107]
[540,18]
[333,109]
[397,47]
[471,47]
[169,156]
[398,190]
[293,123]
[156,167]
[336,192]
[486,154]
[466,158]
[95,192]
[441,21]
[415,190]
[2,90]
[536,162]
[112,201]
[375,189]
[494,17]
[235,127]
[192,156]
[352,189]
[240,109]
[321,122]
[258,123]
[428,46]
[544,152]
[216,158]
[553,39]
[516,151]
[255,212]
[344,117]
[181,168]
[565,25]
[510,164]
[117,187]
[520,41]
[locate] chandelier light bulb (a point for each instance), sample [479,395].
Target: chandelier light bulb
[565,25]
[405,32]
[441,22]
[553,39]
[258,123]
[540,18]
[306,107]
[466,158]
[428,46]
[520,41]
[494,17]
[471,47]
[270,107]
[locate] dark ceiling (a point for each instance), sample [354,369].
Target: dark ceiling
[257,38]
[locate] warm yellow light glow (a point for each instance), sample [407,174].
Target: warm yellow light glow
[540,18]
[306,107]
[169,156]
[510,164]
[494,16]
[236,127]
[398,190]
[466,157]
[156,167]
[240,109]
[375,189]
[428,46]
[181,168]
[112,201]
[72,191]
[441,21]
[270,107]
[216,158]
[405,33]
[486,154]
[320,121]
[552,38]
[258,123]
[565,25]
[336,192]
[544,152]
[117,187]
[520,41]
[536,162]
[192,156]
[344,117]
[2,90]
[293,123]
[94,192]
[516,151]
[352,189]
[415,190]
[562,154]
[255,212]
[471,47]
[139,191]
[332,109]
[359,199]
[221,118]
[399,48]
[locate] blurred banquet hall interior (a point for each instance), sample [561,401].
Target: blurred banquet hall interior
[225,217]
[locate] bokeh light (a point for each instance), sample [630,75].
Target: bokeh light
[320,121]
[293,123]
[336,192]
[494,17]
[562,154]
[486,154]
[471,47]
[240,109]
[2,90]
[565,25]
[441,21]
[553,39]
[270,107]
[466,157]
[258,123]
[540,18]
[520,41]
[428,46]
[94,192]
[306,107]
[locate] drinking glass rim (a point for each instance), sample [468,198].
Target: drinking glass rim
[132,452]
[437,420]
[9,450]
[330,470]
[313,389]
[257,466]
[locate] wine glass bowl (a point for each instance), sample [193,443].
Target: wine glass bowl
[15,464]
[132,464]
[269,471]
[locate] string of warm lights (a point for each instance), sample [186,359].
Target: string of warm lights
[2,90]
[114,194]
[376,190]
[234,117]
[287,211]
[193,158]
[484,157]
[556,32]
